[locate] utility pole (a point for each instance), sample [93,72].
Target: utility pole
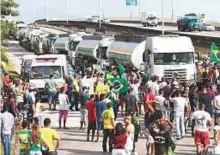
[47,10]
[100,14]
[172,11]
[67,11]
[162,17]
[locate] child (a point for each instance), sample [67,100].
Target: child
[216,148]
[130,134]
[83,99]
[119,140]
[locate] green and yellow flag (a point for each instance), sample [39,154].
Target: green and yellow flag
[120,85]
[215,53]
[120,67]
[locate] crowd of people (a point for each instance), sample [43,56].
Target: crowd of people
[168,106]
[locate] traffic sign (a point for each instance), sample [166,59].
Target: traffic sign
[131,2]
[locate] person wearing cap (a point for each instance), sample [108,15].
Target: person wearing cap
[35,138]
[51,87]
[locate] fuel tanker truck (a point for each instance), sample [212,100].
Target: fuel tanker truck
[159,55]
[92,50]
[129,54]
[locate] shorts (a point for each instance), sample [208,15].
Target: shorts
[201,137]
[99,125]
[63,114]
[92,125]
[83,113]
[52,97]
[136,137]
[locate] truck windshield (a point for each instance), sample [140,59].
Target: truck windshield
[73,45]
[173,58]
[44,72]
[151,18]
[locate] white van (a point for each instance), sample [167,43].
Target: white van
[45,65]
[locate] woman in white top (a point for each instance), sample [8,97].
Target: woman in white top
[63,107]
[216,102]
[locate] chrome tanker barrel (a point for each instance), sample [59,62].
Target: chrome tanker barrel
[86,52]
[129,54]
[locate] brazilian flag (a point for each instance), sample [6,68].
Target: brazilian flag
[215,53]
[120,85]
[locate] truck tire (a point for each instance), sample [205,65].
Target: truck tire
[144,24]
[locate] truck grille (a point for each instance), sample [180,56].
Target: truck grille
[182,74]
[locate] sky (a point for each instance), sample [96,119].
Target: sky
[31,10]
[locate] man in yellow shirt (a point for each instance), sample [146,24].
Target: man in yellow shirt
[109,124]
[75,93]
[49,136]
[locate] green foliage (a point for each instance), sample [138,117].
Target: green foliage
[7,8]
[8,29]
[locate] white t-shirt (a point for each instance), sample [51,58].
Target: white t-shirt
[162,84]
[160,100]
[155,88]
[179,104]
[130,138]
[201,119]
[63,102]
[217,102]
[135,88]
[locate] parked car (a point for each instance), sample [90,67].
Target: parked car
[208,27]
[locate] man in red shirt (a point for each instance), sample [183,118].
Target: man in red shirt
[91,108]
[148,98]
[6,82]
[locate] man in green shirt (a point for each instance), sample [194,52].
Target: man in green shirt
[35,139]
[22,137]
[51,87]
[135,121]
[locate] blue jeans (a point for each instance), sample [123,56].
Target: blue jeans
[180,125]
[52,97]
[6,140]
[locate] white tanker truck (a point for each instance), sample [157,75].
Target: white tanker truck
[159,55]
[92,50]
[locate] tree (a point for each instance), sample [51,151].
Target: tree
[8,7]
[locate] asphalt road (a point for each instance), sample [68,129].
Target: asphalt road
[173,29]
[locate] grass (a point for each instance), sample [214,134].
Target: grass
[9,66]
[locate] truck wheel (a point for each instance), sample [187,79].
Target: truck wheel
[144,24]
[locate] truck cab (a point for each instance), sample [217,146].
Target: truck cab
[43,66]
[149,19]
[169,54]
[189,23]
[48,43]
[38,44]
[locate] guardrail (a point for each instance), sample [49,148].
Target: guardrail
[132,21]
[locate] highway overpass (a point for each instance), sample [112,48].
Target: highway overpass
[136,32]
